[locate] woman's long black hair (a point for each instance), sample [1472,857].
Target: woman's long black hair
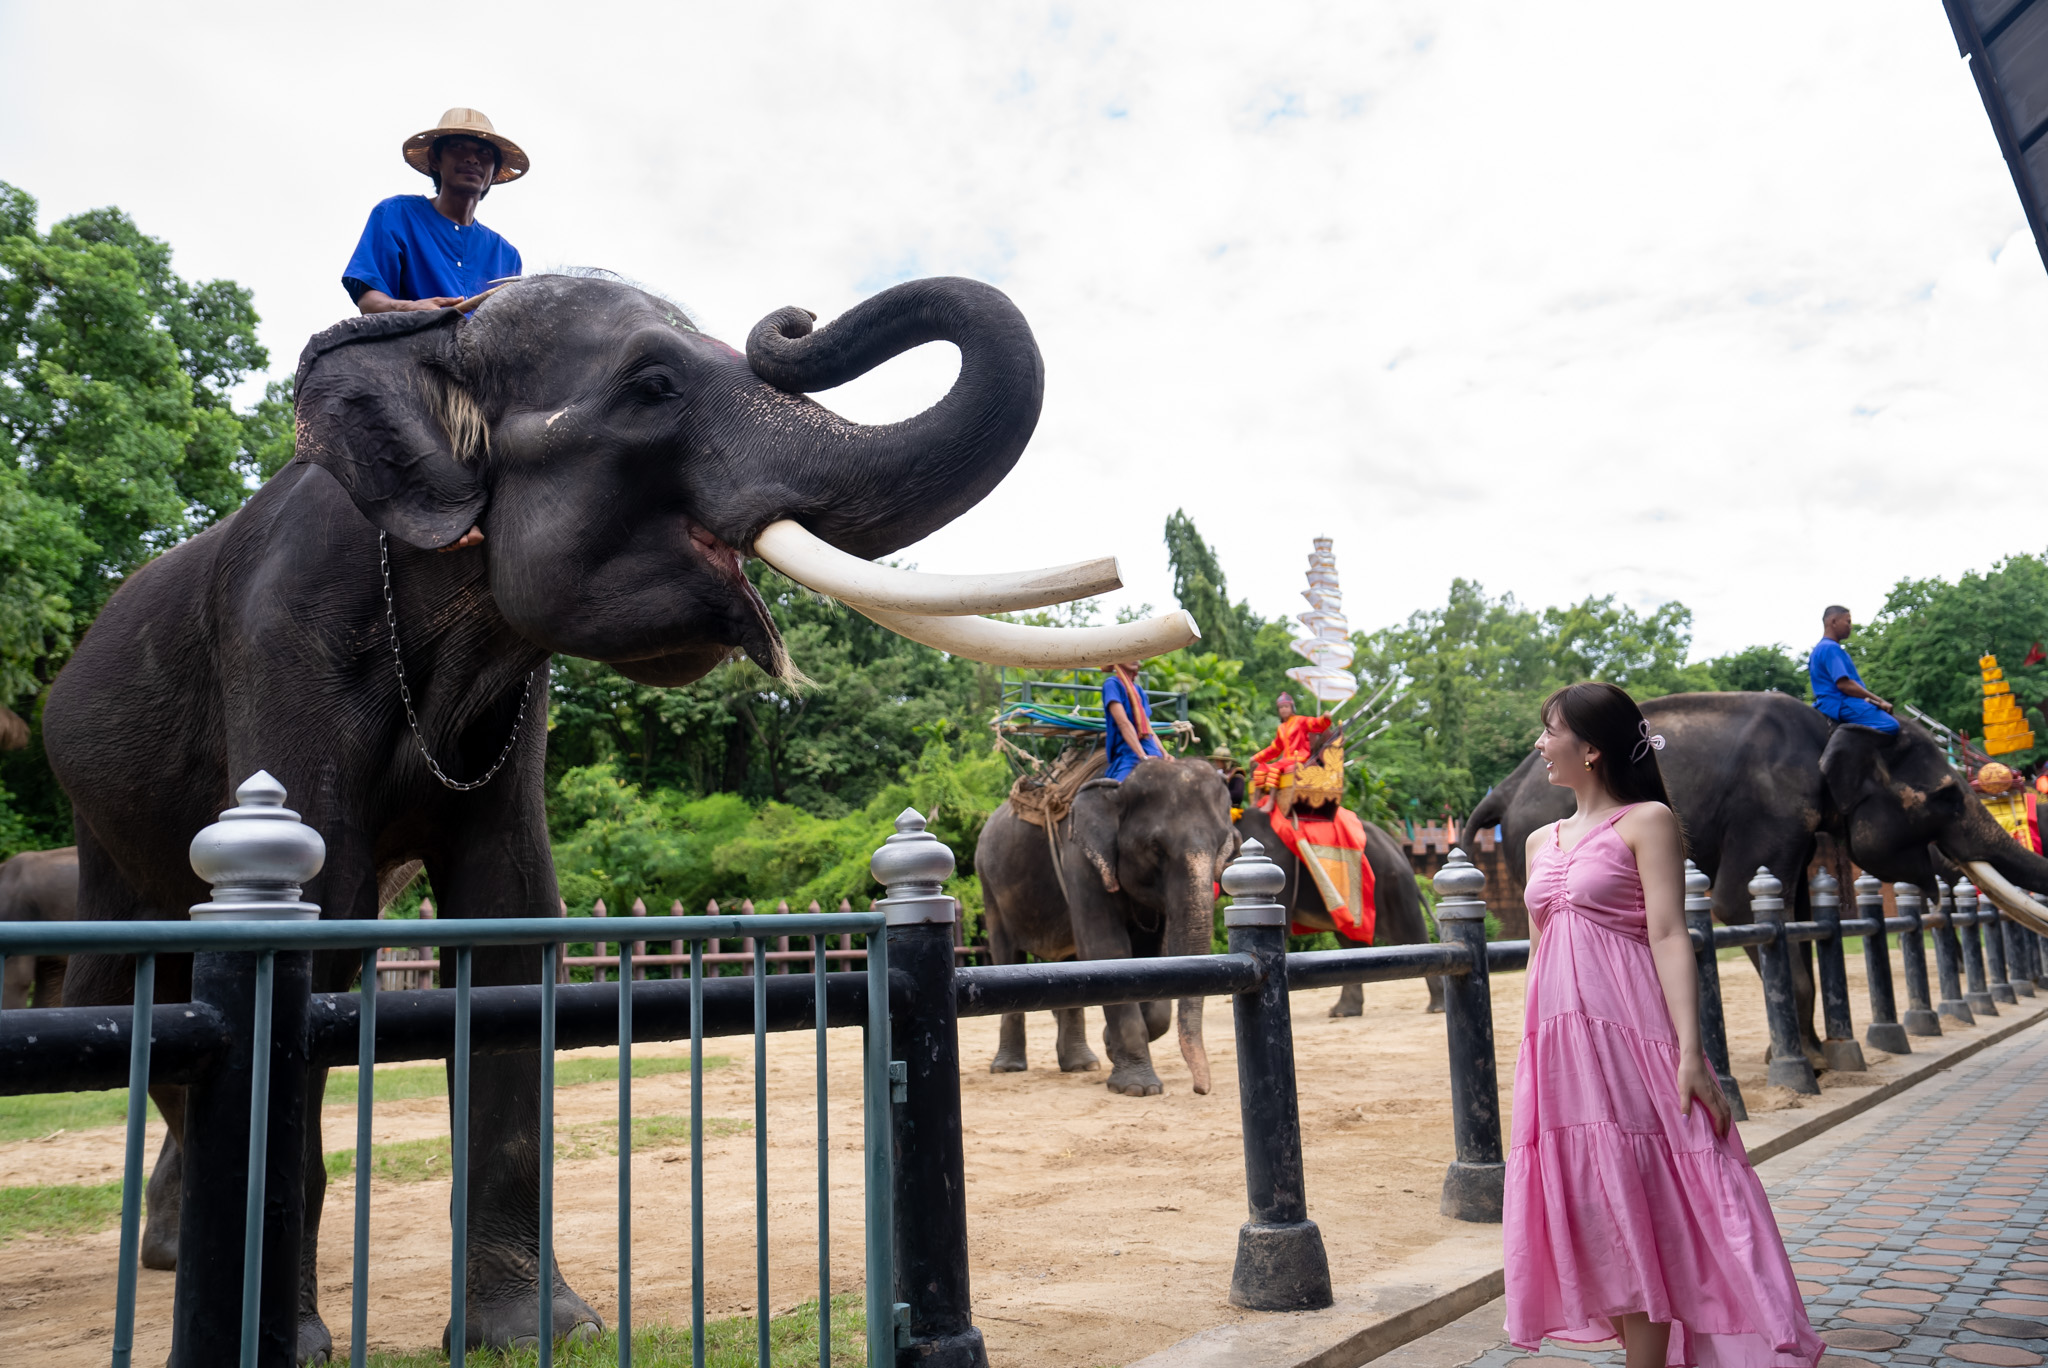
[1606,718]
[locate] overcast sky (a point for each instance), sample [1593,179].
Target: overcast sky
[1731,304]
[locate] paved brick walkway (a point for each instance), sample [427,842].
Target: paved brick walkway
[1920,1235]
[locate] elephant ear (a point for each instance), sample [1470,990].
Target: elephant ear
[1852,767]
[1098,813]
[380,408]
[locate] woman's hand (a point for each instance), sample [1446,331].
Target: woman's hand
[1696,1080]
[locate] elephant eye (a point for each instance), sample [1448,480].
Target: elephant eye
[653,389]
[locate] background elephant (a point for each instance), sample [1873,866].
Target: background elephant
[1131,870]
[1758,777]
[37,886]
[619,464]
[1397,901]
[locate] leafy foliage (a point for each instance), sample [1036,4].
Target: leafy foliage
[117,440]
[1922,647]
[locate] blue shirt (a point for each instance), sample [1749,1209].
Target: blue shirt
[1122,760]
[1827,666]
[410,250]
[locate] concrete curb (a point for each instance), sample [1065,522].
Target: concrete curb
[1368,1322]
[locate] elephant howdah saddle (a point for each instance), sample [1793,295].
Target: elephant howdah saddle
[1322,781]
[1044,799]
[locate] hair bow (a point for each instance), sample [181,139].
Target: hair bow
[1649,743]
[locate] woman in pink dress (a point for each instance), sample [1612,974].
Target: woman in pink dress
[1632,1212]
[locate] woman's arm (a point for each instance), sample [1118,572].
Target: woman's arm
[1651,831]
[1529,849]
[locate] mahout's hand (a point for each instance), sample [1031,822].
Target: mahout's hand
[1696,1080]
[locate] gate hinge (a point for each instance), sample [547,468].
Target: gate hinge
[899,1091]
[900,1312]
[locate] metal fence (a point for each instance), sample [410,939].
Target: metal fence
[251,1008]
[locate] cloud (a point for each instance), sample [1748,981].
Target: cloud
[1734,305]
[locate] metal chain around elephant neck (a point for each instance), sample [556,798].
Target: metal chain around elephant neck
[405,694]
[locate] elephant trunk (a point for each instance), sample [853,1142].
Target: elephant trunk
[1193,912]
[870,490]
[2004,869]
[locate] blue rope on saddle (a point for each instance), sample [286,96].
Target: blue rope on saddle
[1032,713]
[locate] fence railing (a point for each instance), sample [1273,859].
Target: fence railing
[252,1027]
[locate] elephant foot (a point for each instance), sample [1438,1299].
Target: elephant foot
[316,1345]
[1350,1002]
[1135,1080]
[160,1243]
[1008,1061]
[513,1321]
[1082,1060]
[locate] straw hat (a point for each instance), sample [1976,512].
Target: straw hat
[467,123]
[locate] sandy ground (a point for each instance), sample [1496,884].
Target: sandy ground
[1102,1228]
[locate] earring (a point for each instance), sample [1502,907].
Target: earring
[1589,762]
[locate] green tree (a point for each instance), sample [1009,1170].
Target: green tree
[117,440]
[1923,646]
[1760,668]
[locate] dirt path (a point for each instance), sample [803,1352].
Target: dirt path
[1103,1228]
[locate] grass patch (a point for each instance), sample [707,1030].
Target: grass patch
[728,1343]
[431,1080]
[416,1161]
[67,1209]
[37,1114]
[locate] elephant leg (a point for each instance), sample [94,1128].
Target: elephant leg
[1003,949]
[1350,1001]
[50,980]
[1074,1053]
[1158,1018]
[1009,1056]
[19,981]
[484,872]
[316,1344]
[1436,994]
[1100,933]
[166,1188]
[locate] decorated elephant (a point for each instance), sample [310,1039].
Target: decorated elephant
[573,468]
[37,886]
[1396,899]
[1757,777]
[1129,870]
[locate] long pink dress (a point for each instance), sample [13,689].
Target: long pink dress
[1615,1202]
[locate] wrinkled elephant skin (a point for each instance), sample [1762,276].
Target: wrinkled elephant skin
[619,463]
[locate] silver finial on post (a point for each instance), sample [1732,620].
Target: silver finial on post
[257,857]
[1766,893]
[1460,889]
[1252,881]
[911,865]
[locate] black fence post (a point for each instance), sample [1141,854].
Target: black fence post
[1699,919]
[2018,972]
[1477,1179]
[1995,968]
[256,856]
[1948,955]
[1921,1018]
[1977,989]
[924,1045]
[1884,1032]
[1840,1049]
[1281,1264]
[1789,1067]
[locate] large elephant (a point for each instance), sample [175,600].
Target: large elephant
[1131,870]
[1396,900]
[37,886]
[1757,777]
[616,465]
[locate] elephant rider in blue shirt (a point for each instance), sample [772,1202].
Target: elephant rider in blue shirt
[1129,735]
[421,252]
[1837,689]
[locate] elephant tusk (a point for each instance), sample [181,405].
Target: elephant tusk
[2011,900]
[1042,648]
[818,565]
